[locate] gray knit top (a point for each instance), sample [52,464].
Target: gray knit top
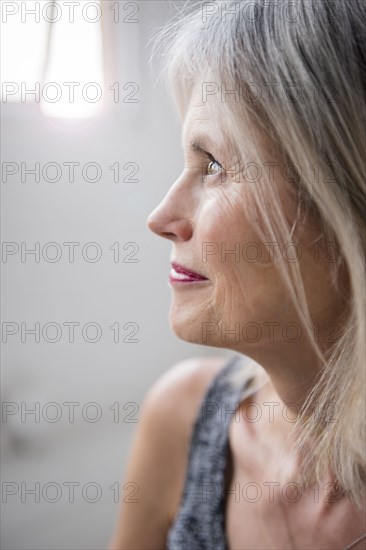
[200,521]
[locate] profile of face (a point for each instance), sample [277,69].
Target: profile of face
[243,304]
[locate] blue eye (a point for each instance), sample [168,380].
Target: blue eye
[213,167]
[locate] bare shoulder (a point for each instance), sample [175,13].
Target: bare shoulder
[174,402]
[185,383]
[158,457]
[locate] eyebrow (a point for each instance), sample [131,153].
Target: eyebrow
[200,144]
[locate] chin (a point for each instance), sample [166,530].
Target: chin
[184,330]
[191,330]
[184,327]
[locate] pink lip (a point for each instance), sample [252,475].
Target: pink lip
[190,276]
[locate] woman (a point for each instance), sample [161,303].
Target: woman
[268,259]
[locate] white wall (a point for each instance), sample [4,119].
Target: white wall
[104,292]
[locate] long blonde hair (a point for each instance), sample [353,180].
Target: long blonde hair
[299,72]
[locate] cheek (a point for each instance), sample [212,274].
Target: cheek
[245,280]
[221,232]
[226,237]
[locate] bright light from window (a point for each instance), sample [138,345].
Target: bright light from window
[66,77]
[76,58]
[23,46]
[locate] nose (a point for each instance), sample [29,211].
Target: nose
[172,219]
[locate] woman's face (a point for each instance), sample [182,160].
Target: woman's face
[243,304]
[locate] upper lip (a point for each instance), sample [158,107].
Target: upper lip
[181,269]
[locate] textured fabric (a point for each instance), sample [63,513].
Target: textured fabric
[200,520]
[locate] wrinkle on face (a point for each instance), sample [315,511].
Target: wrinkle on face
[245,292]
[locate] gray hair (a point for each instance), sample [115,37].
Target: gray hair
[299,70]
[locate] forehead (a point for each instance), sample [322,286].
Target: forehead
[202,124]
[197,118]
[206,124]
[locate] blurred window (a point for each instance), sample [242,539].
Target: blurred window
[52,54]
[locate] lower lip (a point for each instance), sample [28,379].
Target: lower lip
[186,280]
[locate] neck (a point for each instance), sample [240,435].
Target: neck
[293,372]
